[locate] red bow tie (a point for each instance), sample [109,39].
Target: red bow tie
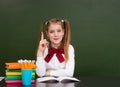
[58,52]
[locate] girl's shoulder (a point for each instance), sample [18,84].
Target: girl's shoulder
[71,46]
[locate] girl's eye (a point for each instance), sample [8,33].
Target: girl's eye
[59,30]
[51,31]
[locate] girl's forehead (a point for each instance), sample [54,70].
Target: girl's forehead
[55,25]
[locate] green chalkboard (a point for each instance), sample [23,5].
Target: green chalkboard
[95,32]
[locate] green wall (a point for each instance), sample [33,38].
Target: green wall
[95,32]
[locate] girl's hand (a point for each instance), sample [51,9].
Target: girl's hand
[47,73]
[42,45]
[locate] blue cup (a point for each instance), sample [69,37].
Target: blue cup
[26,77]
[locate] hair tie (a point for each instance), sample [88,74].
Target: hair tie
[46,23]
[62,20]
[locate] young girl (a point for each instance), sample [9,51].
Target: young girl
[55,56]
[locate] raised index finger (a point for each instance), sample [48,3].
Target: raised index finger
[42,36]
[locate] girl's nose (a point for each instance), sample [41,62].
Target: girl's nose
[55,33]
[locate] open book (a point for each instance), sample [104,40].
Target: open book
[57,79]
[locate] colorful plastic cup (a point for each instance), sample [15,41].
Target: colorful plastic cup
[26,77]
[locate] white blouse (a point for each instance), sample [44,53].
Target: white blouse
[54,66]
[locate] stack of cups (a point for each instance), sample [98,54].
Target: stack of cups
[26,69]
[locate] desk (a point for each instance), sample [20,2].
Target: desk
[85,82]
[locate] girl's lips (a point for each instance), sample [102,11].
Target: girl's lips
[56,38]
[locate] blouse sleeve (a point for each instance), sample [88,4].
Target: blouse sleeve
[40,65]
[69,68]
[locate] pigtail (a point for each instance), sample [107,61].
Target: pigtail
[39,36]
[41,30]
[66,39]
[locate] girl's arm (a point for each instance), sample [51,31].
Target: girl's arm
[40,65]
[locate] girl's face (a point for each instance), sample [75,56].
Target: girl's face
[55,34]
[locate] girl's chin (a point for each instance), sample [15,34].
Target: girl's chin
[55,43]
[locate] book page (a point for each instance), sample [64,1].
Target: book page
[68,79]
[47,79]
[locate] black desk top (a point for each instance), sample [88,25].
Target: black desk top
[84,82]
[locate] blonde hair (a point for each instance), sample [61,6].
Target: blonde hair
[66,39]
